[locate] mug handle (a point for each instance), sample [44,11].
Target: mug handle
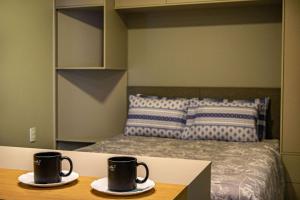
[71,166]
[147,173]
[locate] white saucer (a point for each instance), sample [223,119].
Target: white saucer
[28,179]
[101,186]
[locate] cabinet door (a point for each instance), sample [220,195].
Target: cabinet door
[291,79]
[138,3]
[187,1]
[200,1]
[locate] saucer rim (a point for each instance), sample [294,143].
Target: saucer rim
[75,174]
[125,193]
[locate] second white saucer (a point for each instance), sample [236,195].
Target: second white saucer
[101,185]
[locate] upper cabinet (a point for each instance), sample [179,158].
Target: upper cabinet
[196,1]
[138,3]
[132,4]
[90,34]
[203,1]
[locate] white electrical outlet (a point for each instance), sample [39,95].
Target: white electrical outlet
[32,134]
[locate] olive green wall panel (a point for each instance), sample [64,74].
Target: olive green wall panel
[291,83]
[26,68]
[212,47]
[91,105]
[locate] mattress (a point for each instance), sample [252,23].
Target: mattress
[240,171]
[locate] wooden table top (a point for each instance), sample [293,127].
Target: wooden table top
[11,189]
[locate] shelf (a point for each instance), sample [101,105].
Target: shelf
[80,37]
[66,4]
[90,35]
[88,68]
[120,4]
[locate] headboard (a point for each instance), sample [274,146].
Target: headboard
[273,123]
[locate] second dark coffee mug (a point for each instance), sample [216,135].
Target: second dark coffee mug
[47,167]
[122,173]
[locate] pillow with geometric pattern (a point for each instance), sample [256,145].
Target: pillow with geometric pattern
[207,120]
[158,117]
[262,118]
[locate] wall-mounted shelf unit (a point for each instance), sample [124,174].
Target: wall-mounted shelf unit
[89,34]
[91,59]
[80,37]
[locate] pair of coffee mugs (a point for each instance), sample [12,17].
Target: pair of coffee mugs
[122,170]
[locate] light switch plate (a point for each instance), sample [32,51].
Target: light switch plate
[32,134]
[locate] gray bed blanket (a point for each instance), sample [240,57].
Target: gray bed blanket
[240,171]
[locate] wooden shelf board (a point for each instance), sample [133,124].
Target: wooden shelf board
[87,7]
[78,5]
[88,68]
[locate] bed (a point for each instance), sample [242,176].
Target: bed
[240,170]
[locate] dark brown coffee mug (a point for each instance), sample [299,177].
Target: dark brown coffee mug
[47,167]
[122,173]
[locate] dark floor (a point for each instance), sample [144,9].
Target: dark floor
[71,146]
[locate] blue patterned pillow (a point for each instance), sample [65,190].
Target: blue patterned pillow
[263,105]
[159,117]
[228,121]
